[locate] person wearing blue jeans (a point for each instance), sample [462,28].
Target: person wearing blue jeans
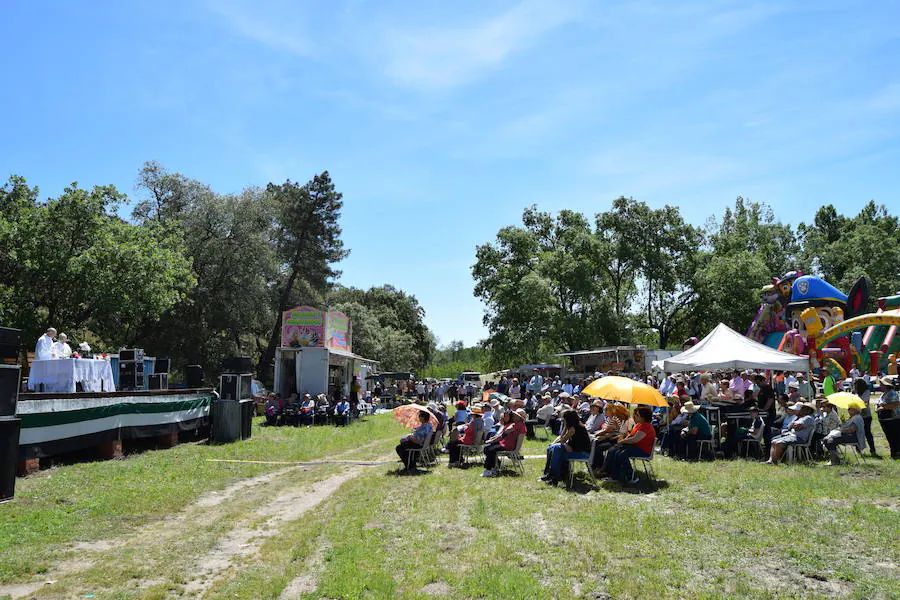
[574,442]
[638,442]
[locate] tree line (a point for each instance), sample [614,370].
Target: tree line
[190,273]
[637,274]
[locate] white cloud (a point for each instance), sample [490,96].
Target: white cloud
[438,58]
[286,33]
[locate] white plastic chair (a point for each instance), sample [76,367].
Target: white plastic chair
[544,425]
[710,442]
[801,451]
[514,456]
[473,449]
[420,454]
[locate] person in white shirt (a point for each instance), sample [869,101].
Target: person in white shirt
[536,383]
[709,392]
[61,348]
[545,411]
[44,348]
[667,386]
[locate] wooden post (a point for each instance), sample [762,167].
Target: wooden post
[27,466]
[169,440]
[110,450]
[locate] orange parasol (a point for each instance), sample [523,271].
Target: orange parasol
[408,415]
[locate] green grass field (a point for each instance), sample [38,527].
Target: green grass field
[145,526]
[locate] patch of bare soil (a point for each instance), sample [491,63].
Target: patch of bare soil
[243,541]
[236,543]
[436,588]
[215,498]
[791,581]
[308,581]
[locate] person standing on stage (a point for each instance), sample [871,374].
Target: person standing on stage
[44,348]
[61,348]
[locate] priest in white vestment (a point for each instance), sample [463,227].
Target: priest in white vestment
[44,348]
[61,348]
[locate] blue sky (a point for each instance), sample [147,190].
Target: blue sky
[441,121]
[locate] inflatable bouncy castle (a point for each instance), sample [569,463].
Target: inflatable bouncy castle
[770,323]
[804,314]
[817,306]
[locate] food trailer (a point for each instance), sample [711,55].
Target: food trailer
[316,354]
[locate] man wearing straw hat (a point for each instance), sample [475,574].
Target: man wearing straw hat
[697,428]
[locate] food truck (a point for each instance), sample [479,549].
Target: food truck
[316,355]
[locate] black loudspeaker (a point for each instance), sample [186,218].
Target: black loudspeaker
[162,365]
[248,409]
[131,381]
[131,367]
[233,386]
[9,389]
[10,342]
[193,376]
[236,364]
[158,381]
[9,455]
[131,375]
[133,354]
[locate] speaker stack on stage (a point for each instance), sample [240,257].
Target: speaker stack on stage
[233,413]
[131,369]
[10,344]
[159,379]
[193,376]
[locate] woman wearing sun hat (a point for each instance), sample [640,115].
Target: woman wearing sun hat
[887,407]
[468,437]
[512,426]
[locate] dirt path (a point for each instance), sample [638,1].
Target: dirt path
[242,541]
[265,502]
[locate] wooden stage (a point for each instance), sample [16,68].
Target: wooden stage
[56,423]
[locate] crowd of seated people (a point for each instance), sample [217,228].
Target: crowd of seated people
[770,413]
[775,412]
[308,411]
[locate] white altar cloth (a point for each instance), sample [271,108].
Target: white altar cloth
[61,375]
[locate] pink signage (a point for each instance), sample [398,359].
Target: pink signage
[303,326]
[339,331]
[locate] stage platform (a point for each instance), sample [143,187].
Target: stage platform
[54,423]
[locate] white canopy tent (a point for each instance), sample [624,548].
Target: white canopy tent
[725,348]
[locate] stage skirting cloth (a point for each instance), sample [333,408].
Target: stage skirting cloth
[60,425]
[62,374]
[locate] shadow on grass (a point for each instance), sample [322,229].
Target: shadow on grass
[402,472]
[583,486]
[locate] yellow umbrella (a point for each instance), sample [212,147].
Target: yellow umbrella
[846,400]
[625,390]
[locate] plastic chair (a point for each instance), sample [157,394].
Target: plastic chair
[514,456]
[543,425]
[587,462]
[420,454]
[748,443]
[473,449]
[801,451]
[710,442]
[857,454]
[647,461]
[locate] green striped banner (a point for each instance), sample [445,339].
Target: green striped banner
[65,417]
